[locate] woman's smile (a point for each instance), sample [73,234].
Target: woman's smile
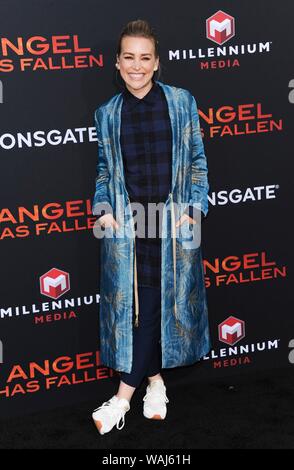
[136,76]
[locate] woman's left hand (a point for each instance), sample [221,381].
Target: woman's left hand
[183,218]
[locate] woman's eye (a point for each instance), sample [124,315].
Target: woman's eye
[144,58]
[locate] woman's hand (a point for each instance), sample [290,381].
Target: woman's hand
[183,218]
[108,220]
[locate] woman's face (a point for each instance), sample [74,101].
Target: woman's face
[137,63]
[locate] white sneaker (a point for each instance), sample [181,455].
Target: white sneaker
[110,413]
[155,400]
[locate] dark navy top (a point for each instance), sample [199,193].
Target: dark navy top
[146,144]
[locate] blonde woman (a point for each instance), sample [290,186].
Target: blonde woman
[153,309]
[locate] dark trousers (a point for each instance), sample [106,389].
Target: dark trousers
[146,337]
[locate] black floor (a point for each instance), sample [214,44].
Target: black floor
[255,412]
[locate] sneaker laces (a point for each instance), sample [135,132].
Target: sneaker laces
[106,406]
[155,394]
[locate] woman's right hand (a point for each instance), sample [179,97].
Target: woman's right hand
[107,220]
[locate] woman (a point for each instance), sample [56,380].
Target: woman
[153,309]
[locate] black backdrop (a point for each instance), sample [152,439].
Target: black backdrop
[49,91]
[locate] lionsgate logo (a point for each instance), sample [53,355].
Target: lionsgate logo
[243,195]
[220,28]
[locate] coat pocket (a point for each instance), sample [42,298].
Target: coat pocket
[189,236]
[186,230]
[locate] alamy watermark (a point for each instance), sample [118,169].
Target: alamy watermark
[291,353]
[291,93]
[188,231]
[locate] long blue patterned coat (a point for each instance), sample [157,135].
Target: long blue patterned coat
[184,317]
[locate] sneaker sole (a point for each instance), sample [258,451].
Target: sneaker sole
[98,425]
[155,417]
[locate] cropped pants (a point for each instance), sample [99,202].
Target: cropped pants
[146,337]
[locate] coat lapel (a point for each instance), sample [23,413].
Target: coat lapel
[174,117]
[115,123]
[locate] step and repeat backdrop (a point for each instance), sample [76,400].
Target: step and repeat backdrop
[56,67]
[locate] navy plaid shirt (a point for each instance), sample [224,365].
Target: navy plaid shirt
[146,144]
